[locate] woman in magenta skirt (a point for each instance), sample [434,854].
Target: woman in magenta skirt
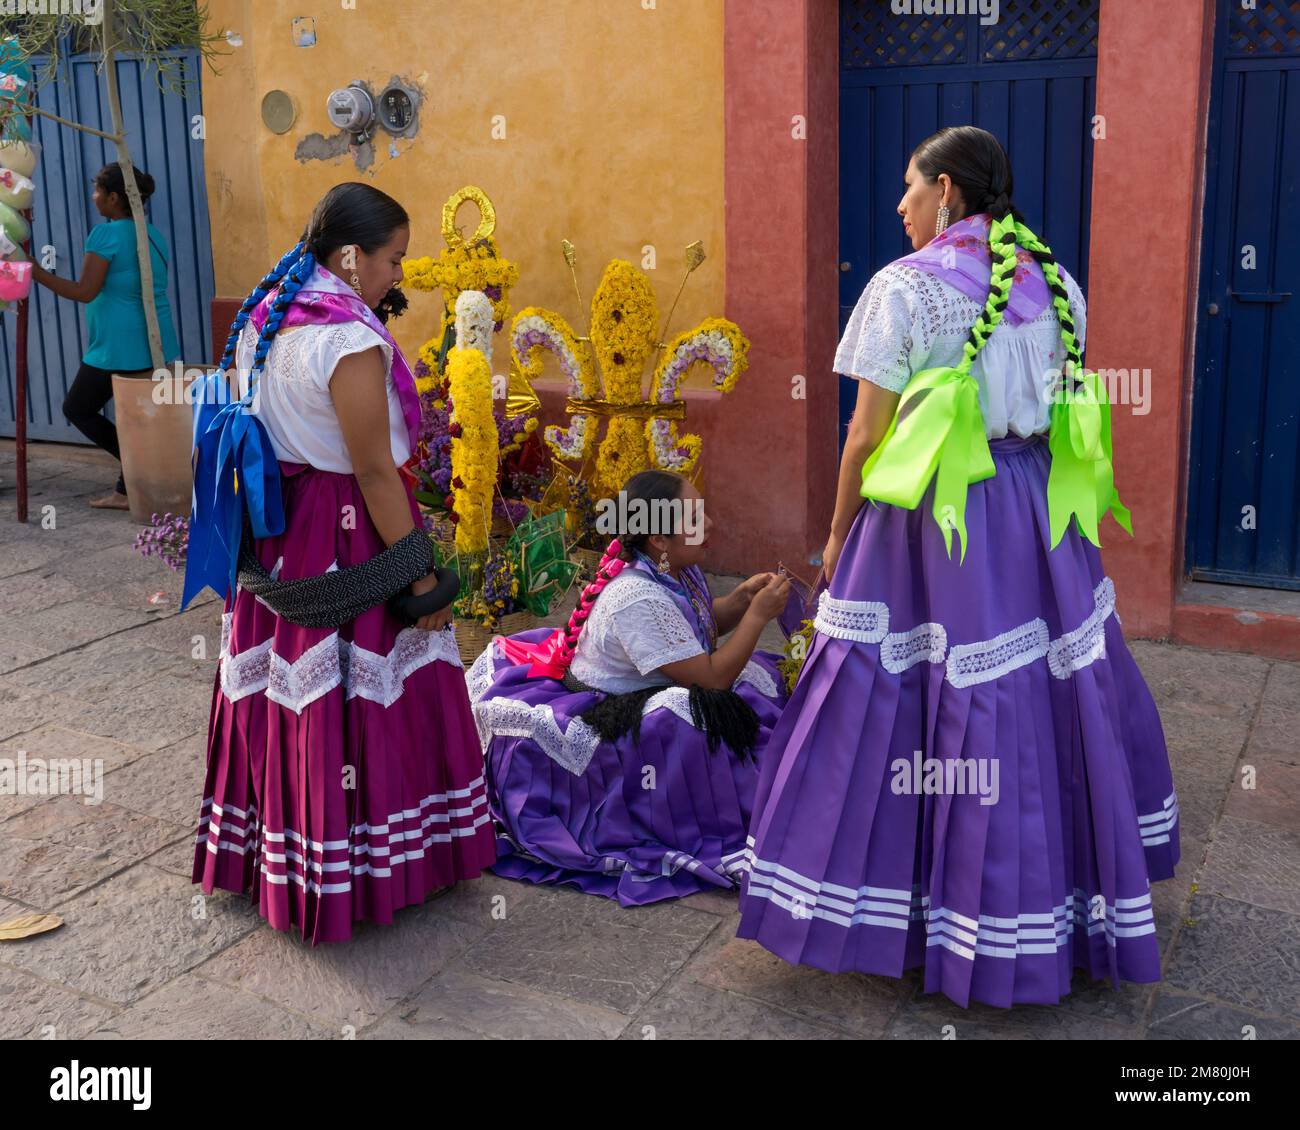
[344,776]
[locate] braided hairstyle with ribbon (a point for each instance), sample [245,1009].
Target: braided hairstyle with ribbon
[939,413]
[646,486]
[350,214]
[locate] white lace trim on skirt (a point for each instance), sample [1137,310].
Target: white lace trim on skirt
[296,684]
[984,661]
[573,748]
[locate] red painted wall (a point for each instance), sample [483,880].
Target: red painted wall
[1153,77]
[771,462]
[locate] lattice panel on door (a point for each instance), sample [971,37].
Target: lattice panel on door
[1269,30]
[871,35]
[1041,29]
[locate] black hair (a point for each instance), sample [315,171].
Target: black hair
[111,178]
[349,213]
[976,163]
[649,487]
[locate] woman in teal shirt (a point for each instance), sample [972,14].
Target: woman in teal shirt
[110,286]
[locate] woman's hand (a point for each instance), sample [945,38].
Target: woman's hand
[831,555]
[435,621]
[770,601]
[752,587]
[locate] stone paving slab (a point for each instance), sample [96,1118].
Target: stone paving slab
[1239,954]
[1176,1016]
[191,1008]
[355,982]
[32,1009]
[63,846]
[589,949]
[132,934]
[482,1008]
[88,667]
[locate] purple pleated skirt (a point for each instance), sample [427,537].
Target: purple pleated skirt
[636,821]
[971,774]
[344,776]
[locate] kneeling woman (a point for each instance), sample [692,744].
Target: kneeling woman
[622,750]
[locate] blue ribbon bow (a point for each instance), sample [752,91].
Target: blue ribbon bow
[235,472]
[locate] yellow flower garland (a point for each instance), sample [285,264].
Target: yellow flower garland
[624,317]
[474,451]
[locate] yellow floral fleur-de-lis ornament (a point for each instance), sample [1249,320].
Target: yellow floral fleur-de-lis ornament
[624,337]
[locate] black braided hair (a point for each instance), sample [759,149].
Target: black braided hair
[260,291]
[292,282]
[976,163]
[647,486]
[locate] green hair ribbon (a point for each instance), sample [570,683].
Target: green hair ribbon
[937,433]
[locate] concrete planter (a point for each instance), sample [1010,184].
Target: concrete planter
[155,433]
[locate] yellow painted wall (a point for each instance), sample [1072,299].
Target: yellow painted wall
[614,135]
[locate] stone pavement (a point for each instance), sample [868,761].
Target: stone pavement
[89,667]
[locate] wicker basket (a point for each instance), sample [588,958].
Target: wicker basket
[472,637]
[588,559]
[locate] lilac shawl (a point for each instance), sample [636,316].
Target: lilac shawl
[960,256]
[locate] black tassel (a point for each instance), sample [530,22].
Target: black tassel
[722,716]
[725,717]
[619,714]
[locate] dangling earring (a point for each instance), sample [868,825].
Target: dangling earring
[355,282]
[663,562]
[941,223]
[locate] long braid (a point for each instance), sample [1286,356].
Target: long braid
[259,292]
[292,282]
[611,564]
[1002,245]
[1060,296]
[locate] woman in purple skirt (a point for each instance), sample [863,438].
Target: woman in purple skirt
[344,775]
[622,750]
[971,774]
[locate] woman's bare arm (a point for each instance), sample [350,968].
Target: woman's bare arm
[94,270]
[875,409]
[360,393]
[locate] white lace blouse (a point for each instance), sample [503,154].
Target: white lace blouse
[294,403]
[634,629]
[908,320]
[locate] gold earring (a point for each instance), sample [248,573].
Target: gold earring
[941,222]
[356,282]
[663,561]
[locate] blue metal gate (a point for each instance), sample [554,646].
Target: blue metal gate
[158,125]
[1028,78]
[1244,490]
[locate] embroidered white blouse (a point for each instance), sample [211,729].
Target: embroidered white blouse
[908,320]
[634,629]
[293,400]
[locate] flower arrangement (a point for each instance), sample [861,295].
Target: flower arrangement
[537,332]
[475,439]
[167,538]
[715,343]
[473,264]
[641,433]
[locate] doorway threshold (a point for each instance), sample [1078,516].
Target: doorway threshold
[1238,618]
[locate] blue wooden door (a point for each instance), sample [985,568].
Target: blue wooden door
[1029,79]
[1244,489]
[158,125]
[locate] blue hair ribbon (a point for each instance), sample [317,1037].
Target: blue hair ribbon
[235,468]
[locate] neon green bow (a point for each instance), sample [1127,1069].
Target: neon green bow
[937,432]
[1081,482]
